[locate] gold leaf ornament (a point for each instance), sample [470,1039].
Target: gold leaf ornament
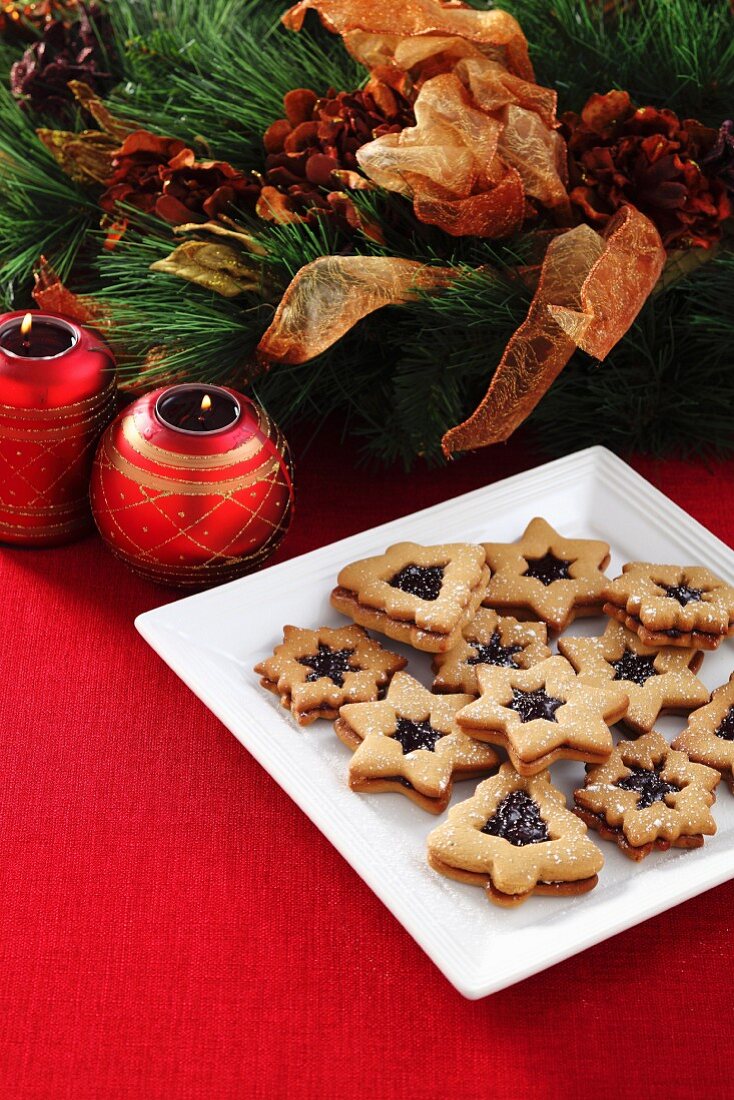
[213,265]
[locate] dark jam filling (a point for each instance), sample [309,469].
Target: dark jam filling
[535,704]
[683,593]
[416,735]
[423,581]
[331,664]
[648,784]
[399,779]
[548,569]
[634,667]
[494,653]
[726,729]
[517,819]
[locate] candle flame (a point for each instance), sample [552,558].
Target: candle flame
[206,403]
[26,324]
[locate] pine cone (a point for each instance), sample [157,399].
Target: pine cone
[719,163]
[21,21]
[65,51]
[161,175]
[311,154]
[650,159]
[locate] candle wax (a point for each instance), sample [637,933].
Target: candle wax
[45,339]
[181,408]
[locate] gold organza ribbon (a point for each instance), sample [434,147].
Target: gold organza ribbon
[328,297]
[590,291]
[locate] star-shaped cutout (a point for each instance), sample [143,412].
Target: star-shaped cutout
[410,742]
[673,605]
[515,837]
[544,713]
[315,671]
[546,576]
[647,795]
[656,680]
[489,639]
[709,735]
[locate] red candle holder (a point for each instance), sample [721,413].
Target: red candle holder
[57,394]
[192,485]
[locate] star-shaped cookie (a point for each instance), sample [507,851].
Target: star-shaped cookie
[544,713]
[515,838]
[315,671]
[410,743]
[489,639]
[656,680]
[648,795]
[709,736]
[545,576]
[686,606]
[422,595]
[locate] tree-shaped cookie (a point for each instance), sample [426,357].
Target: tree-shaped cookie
[315,671]
[422,595]
[657,681]
[709,736]
[410,743]
[671,604]
[489,639]
[545,576]
[649,795]
[515,838]
[544,713]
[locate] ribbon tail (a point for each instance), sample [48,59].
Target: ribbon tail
[330,295]
[591,289]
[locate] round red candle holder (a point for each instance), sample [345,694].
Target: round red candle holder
[57,394]
[189,496]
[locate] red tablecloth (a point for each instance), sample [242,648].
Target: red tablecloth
[172,926]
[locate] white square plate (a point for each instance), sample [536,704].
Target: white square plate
[212,640]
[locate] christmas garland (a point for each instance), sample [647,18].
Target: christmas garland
[381,210]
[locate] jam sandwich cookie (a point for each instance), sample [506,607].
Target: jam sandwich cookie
[515,838]
[544,713]
[315,671]
[489,639]
[709,736]
[545,576]
[649,795]
[672,605]
[410,743]
[658,681]
[422,595]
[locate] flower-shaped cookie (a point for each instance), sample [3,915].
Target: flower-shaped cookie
[709,736]
[648,795]
[411,743]
[422,595]
[315,671]
[515,838]
[489,639]
[656,680]
[544,713]
[546,576]
[671,604]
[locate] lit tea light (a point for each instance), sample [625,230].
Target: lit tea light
[57,393]
[197,409]
[39,337]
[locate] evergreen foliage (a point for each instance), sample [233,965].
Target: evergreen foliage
[214,73]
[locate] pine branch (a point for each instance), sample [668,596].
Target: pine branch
[673,53]
[41,210]
[216,74]
[194,333]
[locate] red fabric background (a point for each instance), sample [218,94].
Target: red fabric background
[172,926]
